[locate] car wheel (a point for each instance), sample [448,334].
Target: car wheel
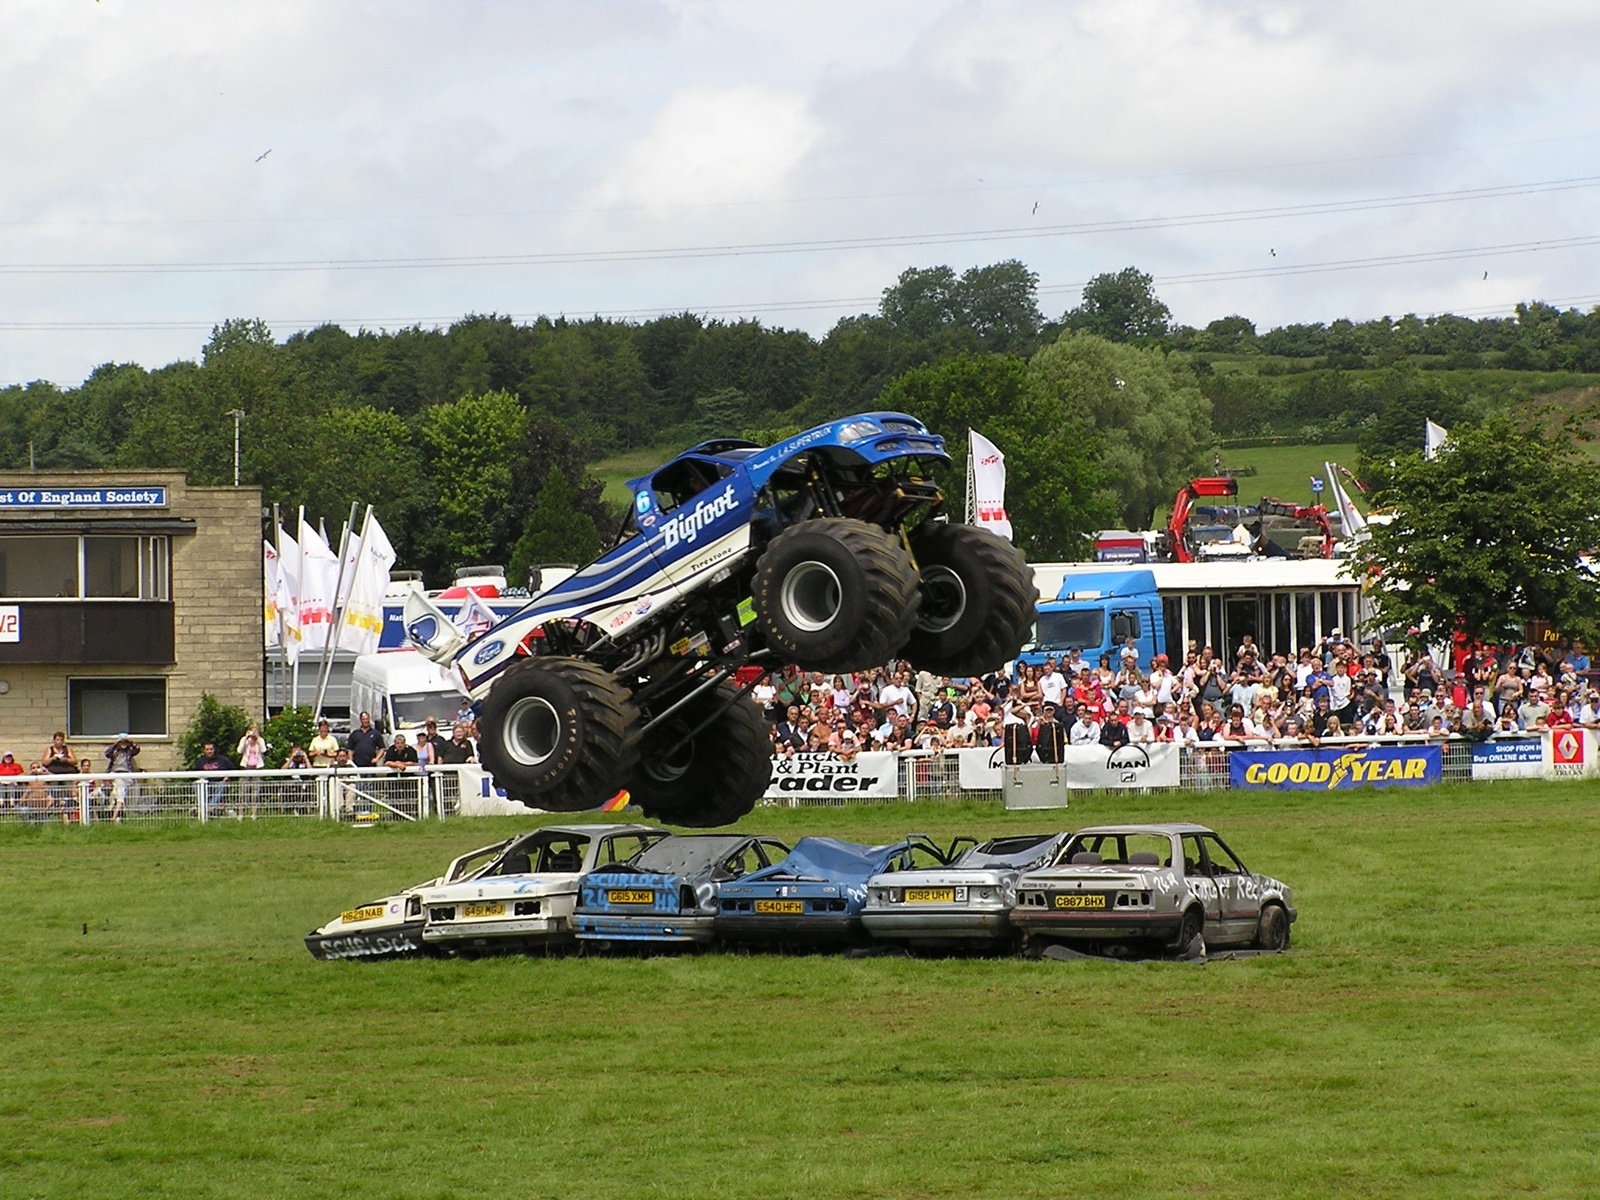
[559,734]
[835,594]
[1273,932]
[1192,926]
[714,778]
[978,599]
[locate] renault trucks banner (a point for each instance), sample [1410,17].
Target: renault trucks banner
[818,776]
[1334,767]
[1131,766]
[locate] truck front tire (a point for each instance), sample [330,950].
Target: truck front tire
[559,734]
[713,778]
[978,600]
[835,594]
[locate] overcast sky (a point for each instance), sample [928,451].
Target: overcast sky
[166,165]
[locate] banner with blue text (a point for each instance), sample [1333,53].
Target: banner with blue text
[1337,767]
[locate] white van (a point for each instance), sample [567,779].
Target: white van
[402,689]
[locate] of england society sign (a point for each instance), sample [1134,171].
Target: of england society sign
[128,496]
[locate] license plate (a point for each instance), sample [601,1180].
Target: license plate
[370,913]
[1080,900]
[930,895]
[630,896]
[780,906]
[482,910]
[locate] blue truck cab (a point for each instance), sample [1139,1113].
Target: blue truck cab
[1095,612]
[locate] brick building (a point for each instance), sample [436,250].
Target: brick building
[123,596]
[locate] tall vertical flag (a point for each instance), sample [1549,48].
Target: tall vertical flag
[1350,516]
[475,616]
[361,619]
[986,485]
[319,575]
[273,631]
[289,595]
[1433,437]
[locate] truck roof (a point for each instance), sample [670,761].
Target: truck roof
[1104,585]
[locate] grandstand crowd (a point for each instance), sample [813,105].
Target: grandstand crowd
[1338,689]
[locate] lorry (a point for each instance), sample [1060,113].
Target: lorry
[822,550]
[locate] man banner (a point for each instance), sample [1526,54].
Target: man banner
[986,485]
[1141,765]
[825,776]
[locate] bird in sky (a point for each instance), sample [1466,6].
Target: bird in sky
[263,154]
[1272,252]
[1486,274]
[1035,208]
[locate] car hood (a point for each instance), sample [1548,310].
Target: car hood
[504,886]
[393,913]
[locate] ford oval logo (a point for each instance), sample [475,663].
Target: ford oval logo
[487,652]
[423,630]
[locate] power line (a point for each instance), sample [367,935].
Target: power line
[736,250]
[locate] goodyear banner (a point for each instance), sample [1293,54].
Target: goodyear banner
[1331,767]
[818,776]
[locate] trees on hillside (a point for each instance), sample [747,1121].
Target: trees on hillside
[1147,414]
[1486,537]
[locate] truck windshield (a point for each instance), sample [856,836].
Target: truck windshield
[413,708]
[1084,628]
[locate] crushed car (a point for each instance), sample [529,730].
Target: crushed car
[824,550]
[814,896]
[964,902]
[669,893]
[524,897]
[1121,889]
[391,927]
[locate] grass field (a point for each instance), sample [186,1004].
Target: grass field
[1436,1031]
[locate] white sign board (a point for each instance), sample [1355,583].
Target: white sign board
[814,776]
[1148,765]
[10,623]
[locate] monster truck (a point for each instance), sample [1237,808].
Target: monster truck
[815,551]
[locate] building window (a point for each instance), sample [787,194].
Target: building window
[99,707]
[92,567]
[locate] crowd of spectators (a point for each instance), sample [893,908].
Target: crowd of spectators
[1337,689]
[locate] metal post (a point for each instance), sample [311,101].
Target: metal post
[83,802]
[331,645]
[200,799]
[238,415]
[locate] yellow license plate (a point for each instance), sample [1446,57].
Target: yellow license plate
[1080,900]
[930,895]
[780,906]
[482,910]
[630,896]
[371,913]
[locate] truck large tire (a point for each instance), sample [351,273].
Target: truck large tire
[559,734]
[714,778]
[835,594]
[978,599]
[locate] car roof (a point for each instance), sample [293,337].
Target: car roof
[1169,830]
[598,830]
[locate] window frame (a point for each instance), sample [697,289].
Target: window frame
[75,730]
[153,556]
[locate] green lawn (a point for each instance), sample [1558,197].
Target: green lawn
[1436,1031]
[1285,471]
[619,468]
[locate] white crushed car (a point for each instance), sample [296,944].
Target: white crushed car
[966,902]
[525,896]
[1112,887]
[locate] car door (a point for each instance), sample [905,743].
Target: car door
[1237,894]
[1201,885]
[701,510]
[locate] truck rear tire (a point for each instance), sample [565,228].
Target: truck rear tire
[559,734]
[835,594]
[978,600]
[714,778]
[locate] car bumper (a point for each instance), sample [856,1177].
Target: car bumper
[599,928]
[516,927]
[389,941]
[950,925]
[822,929]
[1093,926]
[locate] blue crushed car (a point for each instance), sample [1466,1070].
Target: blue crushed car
[824,550]
[668,894]
[815,896]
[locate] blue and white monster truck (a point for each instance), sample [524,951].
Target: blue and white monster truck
[814,551]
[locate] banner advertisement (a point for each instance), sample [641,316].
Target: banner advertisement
[1337,767]
[812,776]
[1520,758]
[1568,753]
[1141,766]
[986,486]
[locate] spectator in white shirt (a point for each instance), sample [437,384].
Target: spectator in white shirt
[1085,730]
[1053,684]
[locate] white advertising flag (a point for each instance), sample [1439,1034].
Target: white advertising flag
[1433,437]
[269,578]
[289,594]
[986,469]
[1354,522]
[319,573]
[347,571]
[361,625]
[475,616]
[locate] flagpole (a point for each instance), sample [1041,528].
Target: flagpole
[338,609]
[972,482]
[266,695]
[299,531]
